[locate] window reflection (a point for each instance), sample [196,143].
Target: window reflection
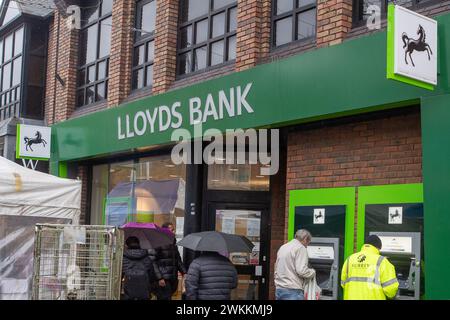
[144,44]
[294,20]
[243,177]
[11,73]
[95,46]
[148,190]
[207,32]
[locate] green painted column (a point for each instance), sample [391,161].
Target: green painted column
[58,169]
[436,174]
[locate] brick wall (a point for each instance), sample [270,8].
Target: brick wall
[64,53]
[374,149]
[121,57]
[165,63]
[82,175]
[253,33]
[278,224]
[334,21]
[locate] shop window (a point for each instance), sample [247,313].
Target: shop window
[144,190]
[11,47]
[144,44]
[293,20]
[361,12]
[207,34]
[95,45]
[239,177]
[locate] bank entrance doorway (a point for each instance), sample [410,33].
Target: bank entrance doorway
[237,201]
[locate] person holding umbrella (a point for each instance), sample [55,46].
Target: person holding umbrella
[170,264]
[138,268]
[138,271]
[212,276]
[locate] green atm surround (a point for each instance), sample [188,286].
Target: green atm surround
[326,197]
[385,194]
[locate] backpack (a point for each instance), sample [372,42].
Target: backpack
[137,282]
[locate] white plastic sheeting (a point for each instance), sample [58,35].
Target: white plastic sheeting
[28,197]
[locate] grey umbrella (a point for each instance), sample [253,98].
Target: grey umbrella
[216,242]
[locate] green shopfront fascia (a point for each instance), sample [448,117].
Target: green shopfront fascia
[330,82]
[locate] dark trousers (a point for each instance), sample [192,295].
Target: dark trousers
[165,293]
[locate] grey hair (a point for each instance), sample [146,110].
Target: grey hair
[303,234]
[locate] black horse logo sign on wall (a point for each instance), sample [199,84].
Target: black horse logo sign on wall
[395,215]
[318,216]
[418,45]
[37,140]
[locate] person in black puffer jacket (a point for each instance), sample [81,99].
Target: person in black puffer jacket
[210,277]
[137,271]
[169,262]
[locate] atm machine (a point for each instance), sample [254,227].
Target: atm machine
[323,256]
[403,251]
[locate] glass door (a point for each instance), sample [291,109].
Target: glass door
[245,220]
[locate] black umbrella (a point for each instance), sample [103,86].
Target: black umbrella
[149,234]
[216,242]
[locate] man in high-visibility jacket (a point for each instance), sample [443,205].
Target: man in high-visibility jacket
[366,275]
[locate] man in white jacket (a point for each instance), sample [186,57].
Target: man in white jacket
[291,268]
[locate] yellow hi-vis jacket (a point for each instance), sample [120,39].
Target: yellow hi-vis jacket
[366,275]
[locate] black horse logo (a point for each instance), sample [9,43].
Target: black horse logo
[317,217]
[361,258]
[395,215]
[419,45]
[37,140]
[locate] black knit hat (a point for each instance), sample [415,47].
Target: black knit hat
[375,241]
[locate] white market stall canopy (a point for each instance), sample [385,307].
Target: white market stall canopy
[25,192]
[28,197]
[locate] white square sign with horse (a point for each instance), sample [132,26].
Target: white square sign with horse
[415,46]
[33,142]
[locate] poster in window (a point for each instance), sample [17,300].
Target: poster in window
[254,255]
[116,214]
[253,227]
[229,225]
[179,226]
[239,258]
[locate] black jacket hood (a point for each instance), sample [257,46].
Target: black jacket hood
[135,254]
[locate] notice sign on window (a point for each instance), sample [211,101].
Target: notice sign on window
[319,216]
[395,215]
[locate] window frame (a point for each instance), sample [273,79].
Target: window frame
[16,104]
[294,16]
[84,87]
[357,22]
[140,40]
[209,41]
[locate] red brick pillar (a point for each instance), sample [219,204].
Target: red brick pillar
[279,213]
[82,175]
[253,32]
[61,71]
[165,63]
[334,21]
[121,57]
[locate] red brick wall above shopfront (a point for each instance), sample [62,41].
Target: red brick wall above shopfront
[374,149]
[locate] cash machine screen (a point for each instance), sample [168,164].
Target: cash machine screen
[322,258]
